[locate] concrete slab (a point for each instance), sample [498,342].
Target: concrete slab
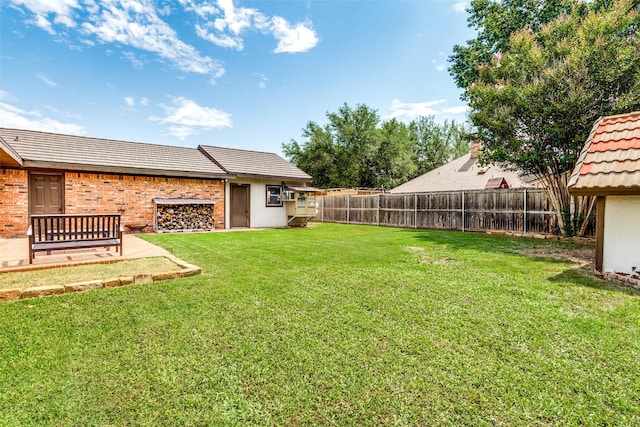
[14,254]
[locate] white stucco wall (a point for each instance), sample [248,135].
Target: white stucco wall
[621,244]
[260,215]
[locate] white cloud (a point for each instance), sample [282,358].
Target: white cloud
[46,80]
[14,117]
[185,117]
[132,23]
[225,25]
[130,101]
[460,6]
[44,10]
[262,80]
[299,38]
[460,109]
[131,57]
[144,101]
[408,110]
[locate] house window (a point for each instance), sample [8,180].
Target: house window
[274,196]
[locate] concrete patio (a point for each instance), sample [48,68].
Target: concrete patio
[14,254]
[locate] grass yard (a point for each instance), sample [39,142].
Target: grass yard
[82,273]
[337,325]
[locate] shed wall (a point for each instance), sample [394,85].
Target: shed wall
[261,216]
[621,241]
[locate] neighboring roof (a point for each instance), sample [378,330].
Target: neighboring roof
[253,163]
[610,159]
[463,173]
[71,152]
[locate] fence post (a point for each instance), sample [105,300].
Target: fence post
[415,210]
[348,212]
[463,216]
[524,221]
[322,217]
[378,212]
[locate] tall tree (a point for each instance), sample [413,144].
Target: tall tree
[394,160]
[436,143]
[534,104]
[356,149]
[495,21]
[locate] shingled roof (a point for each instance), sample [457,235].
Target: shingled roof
[70,152]
[254,163]
[610,160]
[462,174]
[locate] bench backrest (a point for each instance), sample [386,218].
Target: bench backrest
[51,228]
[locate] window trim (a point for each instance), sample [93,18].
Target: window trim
[279,196]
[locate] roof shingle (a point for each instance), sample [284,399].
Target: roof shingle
[610,159]
[254,163]
[44,149]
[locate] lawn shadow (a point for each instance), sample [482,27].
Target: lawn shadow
[578,256]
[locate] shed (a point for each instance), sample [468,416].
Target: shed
[609,168]
[255,192]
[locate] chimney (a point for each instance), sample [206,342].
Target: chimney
[476,147]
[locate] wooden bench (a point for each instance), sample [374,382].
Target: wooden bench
[54,232]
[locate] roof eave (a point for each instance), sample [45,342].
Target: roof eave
[6,148]
[281,178]
[605,191]
[123,170]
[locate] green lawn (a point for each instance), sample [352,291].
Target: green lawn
[334,324]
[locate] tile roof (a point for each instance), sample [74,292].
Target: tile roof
[610,159]
[71,152]
[463,173]
[254,163]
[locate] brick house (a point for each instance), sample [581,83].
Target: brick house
[43,172]
[609,168]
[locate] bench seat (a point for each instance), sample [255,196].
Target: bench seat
[74,244]
[75,231]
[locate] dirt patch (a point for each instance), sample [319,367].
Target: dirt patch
[582,257]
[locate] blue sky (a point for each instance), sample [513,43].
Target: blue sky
[242,74]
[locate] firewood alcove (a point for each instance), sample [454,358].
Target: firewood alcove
[173,215]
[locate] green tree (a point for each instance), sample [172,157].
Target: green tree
[435,144]
[495,21]
[354,149]
[394,160]
[534,105]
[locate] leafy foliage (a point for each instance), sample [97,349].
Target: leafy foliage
[495,22]
[358,149]
[534,103]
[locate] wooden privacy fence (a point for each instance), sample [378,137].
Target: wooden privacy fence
[516,210]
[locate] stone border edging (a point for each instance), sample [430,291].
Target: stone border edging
[187,270]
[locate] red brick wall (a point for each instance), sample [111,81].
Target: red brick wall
[14,202]
[102,193]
